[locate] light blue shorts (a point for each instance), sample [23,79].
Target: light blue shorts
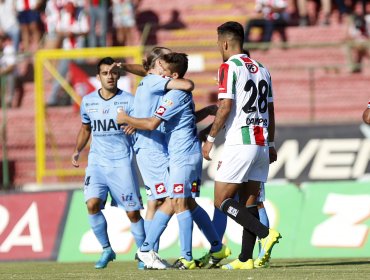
[153,166]
[185,176]
[120,182]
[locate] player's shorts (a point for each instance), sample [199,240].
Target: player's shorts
[261,194]
[153,166]
[241,163]
[185,176]
[120,182]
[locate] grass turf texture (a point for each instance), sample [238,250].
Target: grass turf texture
[280,269]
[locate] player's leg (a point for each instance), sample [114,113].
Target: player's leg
[95,191]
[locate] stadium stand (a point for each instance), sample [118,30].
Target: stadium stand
[311,79]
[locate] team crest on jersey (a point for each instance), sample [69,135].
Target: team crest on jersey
[160,188]
[219,164]
[119,109]
[253,68]
[160,111]
[178,188]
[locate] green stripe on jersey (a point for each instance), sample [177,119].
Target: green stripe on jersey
[237,62]
[234,84]
[245,135]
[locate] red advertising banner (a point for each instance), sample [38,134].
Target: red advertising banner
[30,225]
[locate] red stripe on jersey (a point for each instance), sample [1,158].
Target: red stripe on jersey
[258,135]
[26,5]
[246,59]
[222,78]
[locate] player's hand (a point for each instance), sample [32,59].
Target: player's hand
[202,135]
[206,149]
[115,67]
[121,117]
[272,154]
[128,129]
[75,157]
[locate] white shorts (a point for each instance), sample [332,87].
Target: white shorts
[241,163]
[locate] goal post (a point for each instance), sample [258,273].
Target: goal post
[42,62]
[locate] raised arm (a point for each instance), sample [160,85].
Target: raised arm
[82,139]
[136,69]
[138,123]
[180,84]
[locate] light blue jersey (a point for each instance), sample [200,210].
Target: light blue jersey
[184,149]
[110,167]
[150,146]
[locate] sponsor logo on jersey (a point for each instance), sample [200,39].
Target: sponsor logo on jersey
[232,211]
[195,187]
[131,204]
[120,103]
[148,191]
[168,102]
[219,164]
[178,188]
[160,111]
[92,110]
[104,125]
[256,121]
[160,188]
[91,104]
[105,110]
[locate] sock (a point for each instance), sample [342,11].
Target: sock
[137,230]
[147,224]
[99,226]
[242,216]
[219,222]
[264,219]
[205,224]
[185,221]
[160,220]
[248,239]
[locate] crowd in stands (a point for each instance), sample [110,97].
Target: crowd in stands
[33,24]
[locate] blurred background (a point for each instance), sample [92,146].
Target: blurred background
[316,50]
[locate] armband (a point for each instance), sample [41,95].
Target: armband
[211,139]
[272,144]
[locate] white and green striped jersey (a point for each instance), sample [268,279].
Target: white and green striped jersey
[248,83]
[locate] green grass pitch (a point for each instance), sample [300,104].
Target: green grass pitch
[283,269]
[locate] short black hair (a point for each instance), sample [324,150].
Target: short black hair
[178,62]
[233,29]
[106,60]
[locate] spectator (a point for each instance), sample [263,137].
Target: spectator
[8,67]
[124,21]
[303,12]
[9,23]
[358,36]
[270,15]
[29,20]
[73,27]
[52,13]
[98,13]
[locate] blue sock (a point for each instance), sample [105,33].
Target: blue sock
[219,222]
[185,221]
[147,224]
[99,226]
[264,220]
[137,230]
[160,220]
[205,224]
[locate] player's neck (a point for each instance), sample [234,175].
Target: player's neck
[107,94]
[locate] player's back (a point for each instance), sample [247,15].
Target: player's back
[248,83]
[109,144]
[147,99]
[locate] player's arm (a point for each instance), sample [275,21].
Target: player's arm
[136,69]
[201,114]
[138,123]
[222,114]
[271,132]
[180,84]
[82,139]
[366,114]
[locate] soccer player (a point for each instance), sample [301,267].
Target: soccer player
[150,148]
[366,114]
[185,164]
[247,112]
[110,167]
